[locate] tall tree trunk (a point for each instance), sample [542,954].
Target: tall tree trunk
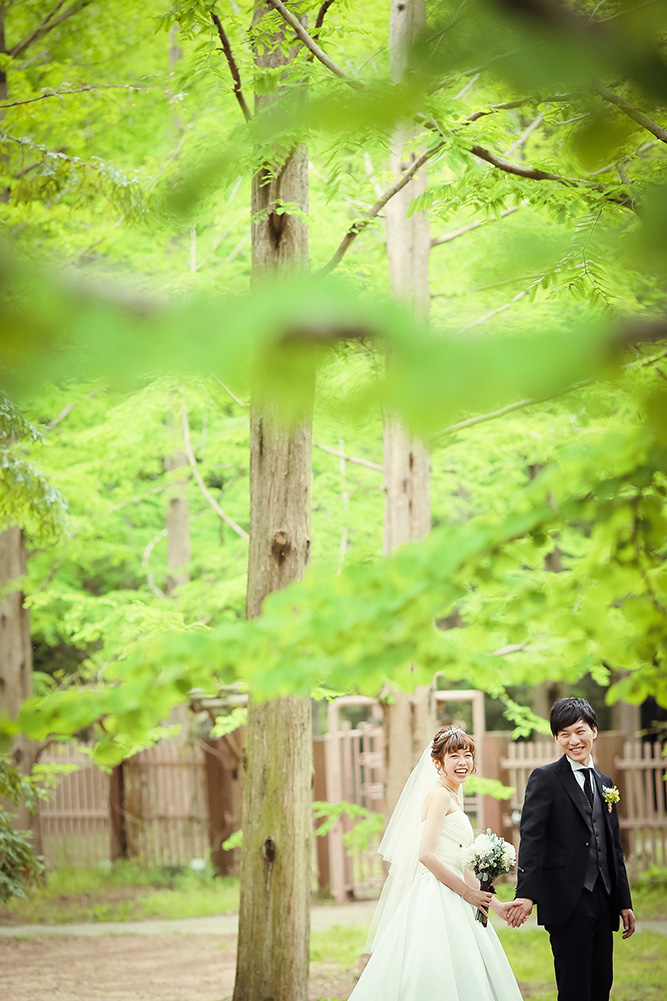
[409,719]
[178,524]
[274,917]
[4,87]
[15,641]
[15,649]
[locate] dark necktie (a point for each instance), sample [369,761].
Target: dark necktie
[588,785]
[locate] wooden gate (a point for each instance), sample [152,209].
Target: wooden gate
[354,773]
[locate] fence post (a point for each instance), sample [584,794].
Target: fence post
[607,750]
[222,768]
[497,814]
[320,795]
[118,845]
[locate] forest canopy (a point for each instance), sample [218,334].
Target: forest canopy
[132,329]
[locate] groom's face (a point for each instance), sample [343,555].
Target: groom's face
[577,741]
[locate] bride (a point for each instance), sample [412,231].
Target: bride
[424,941]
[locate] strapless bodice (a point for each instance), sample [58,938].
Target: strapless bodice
[455,836]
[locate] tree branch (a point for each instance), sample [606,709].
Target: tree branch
[508,166]
[236,399]
[519,169]
[535,174]
[503,106]
[350,458]
[150,576]
[319,21]
[311,44]
[527,132]
[634,113]
[65,93]
[521,404]
[455,233]
[48,24]
[233,68]
[200,483]
[357,227]
[494,312]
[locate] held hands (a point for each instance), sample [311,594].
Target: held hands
[502,910]
[518,911]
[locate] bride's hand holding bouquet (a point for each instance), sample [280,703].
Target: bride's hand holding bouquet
[489,857]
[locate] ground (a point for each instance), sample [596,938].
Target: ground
[165,967]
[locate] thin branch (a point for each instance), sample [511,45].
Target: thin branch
[469,227]
[37,163]
[233,68]
[535,174]
[519,169]
[357,227]
[150,577]
[311,44]
[80,90]
[521,404]
[503,651]
[634,113]
[66,411]
[319,20]
[61,416]
[48,24]
[494,312]
[345,502]
[527,132]
[198,477]
[226,388]
[503,106]
[494,159]
[350,458]
[136,500]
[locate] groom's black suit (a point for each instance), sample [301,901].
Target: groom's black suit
[558,858]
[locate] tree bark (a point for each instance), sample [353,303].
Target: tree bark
[409,719]
[177,523]
[274,916]
[16,652]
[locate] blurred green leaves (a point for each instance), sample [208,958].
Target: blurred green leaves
[283,332]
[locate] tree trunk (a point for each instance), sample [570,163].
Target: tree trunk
[409,719]
[274,917]
[178,525]
[4,88]
[16,651]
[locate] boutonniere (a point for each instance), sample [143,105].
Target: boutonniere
[611,795]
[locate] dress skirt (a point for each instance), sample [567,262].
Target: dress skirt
[433,949]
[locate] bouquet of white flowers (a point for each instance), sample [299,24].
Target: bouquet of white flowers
[489,857]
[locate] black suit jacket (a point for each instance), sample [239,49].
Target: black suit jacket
[554,849]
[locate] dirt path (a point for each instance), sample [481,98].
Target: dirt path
[170,967]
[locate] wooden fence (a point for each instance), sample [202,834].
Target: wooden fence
[164,805]
[74,828]
[643,806]
[166,816]
[353,772]
[167,813]
[639,773]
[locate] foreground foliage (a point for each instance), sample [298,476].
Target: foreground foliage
[538,380]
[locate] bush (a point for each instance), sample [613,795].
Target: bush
[20,868]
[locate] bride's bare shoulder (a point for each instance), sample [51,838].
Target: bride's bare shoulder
[437,799]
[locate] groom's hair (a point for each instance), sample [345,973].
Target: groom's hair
[565,712]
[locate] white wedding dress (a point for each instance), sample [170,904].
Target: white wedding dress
[433,949]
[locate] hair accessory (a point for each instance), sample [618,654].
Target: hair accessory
[451,731]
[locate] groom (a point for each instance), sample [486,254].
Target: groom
[570,860]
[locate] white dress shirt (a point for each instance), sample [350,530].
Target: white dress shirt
[579,775]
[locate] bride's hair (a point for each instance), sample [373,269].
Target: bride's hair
[452,738]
